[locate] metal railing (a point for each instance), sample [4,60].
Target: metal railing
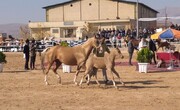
[11,48]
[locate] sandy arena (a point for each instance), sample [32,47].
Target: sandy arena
[26,90]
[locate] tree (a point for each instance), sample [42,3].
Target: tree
[89,29]
[25,32]
[40,33]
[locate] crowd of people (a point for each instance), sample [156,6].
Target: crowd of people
[113,36]
[175,26]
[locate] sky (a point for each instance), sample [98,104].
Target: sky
[22,11]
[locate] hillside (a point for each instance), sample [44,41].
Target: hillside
[11,29]
[171,12]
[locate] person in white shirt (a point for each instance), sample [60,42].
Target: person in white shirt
[142,44]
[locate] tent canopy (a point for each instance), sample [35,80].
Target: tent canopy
[166,34]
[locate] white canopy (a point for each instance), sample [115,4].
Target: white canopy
[158,18]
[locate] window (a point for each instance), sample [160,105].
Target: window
[90,4]
[71,5]
[55,31]
[69,32]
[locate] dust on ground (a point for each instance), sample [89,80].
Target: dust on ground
[26,90]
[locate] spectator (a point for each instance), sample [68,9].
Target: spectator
[152,47]
[32,54]
[114,41]
[130,50]
[26,52]
[142,44]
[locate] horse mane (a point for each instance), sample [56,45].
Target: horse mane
[89,41]
[46,49]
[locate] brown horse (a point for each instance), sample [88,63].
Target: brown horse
[76,55]
[162,44]
[107,62]
[135,42]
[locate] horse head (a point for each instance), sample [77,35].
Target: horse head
[92,42]
[126,39]
[158,41]
[99,40]
[118,53]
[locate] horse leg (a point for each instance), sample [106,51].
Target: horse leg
[75,77]
[85,74]
[112,77]
[95,73]
[77,72]
[58,63]
[116,73]
[158,47]
[46,73]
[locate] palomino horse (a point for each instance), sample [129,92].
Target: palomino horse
[162,44]
[76,55]
[107,62]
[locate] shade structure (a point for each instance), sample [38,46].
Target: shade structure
[156,36]
[167,34]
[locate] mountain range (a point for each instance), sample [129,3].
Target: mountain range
[170,12]
[13,29]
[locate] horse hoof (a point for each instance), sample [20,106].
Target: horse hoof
[88,83]
[76,84]
[47,83]
[116,87]
[123,84]
[59,83]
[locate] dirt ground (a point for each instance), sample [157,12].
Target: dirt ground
[26,90]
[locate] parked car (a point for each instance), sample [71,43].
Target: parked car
[40,46]
[49,44]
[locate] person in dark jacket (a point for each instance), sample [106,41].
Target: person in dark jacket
[130,50]
[99,52]
[152,47]
[26,52]
[32,54]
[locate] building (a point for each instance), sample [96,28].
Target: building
[72,19]
[3,36]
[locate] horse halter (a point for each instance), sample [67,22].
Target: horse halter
[99,41]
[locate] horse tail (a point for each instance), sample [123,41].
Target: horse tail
[42,59]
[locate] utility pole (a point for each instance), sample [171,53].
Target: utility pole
[137,19]
[166,19]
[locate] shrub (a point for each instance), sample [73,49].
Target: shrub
[64,43]
[144,55]
[2,57]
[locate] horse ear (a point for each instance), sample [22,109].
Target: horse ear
[117,47]
[95,36]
